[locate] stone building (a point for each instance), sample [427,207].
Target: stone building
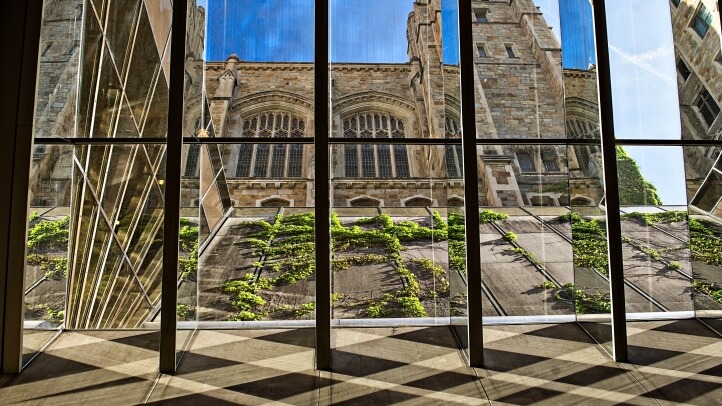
[520,94]
[120,91]
[699,79]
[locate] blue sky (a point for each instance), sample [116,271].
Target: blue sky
[644,89]
[642,57]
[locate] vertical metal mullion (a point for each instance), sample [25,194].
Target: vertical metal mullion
[20,76]
[322,198]
[172,190]
[611,184]
[471,184]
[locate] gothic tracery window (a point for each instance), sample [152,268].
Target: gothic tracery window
[265,160]
[369,160]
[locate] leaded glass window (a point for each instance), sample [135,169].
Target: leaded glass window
[368,160]
[279,160]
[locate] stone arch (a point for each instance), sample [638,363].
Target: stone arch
[455,201]
[373,100]
[365,201]
[542,200]
[274,201]
[273,100]
[579,200]
[418,201]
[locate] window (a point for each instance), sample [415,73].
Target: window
[481,15]
[367,160]
[718,58]
[192,161]
[675,2]
[526,163]
[510,51]
[702,21]
[453,155]
[708,107]
[482,51]
[74,48]
[549,159]
[683,69]
[264,160]
[48,45]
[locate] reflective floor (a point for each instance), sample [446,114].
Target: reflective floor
[673,362]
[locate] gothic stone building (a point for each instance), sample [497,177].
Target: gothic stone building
[520,94]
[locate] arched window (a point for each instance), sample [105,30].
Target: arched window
[455,202]
[454,157]
[277,160]
[365,201]
[371,161]
[275,202]
[419,201]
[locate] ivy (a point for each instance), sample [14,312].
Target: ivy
[584,301]
[52,267]
[633,188]
[247,300]
[653,218]
[188,236]
[49,313]
[184,312]
[48,234]
[345,262]
[707,288]
[510,236]
[305,309]
[189,266]
[589,242]
[489,216]
[704,241]
[528,255]
[457,244]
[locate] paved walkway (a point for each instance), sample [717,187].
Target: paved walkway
[673,362]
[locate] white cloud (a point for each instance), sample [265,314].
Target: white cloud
[650,60]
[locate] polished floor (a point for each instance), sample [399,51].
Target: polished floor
[673,362]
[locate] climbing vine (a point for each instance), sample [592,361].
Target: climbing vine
[589,242]
[633,188]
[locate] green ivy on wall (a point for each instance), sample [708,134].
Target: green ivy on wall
[633,188]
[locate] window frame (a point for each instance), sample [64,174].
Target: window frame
[481,15]
[700,24]
[510,52]
[707,107]
[681,71]
[524,168]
